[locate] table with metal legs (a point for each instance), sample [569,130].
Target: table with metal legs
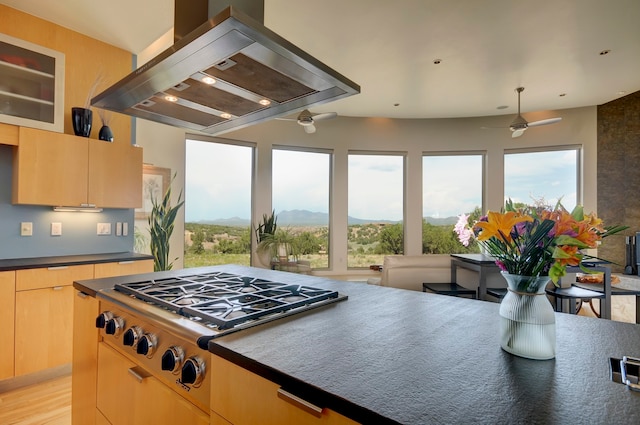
[483,264]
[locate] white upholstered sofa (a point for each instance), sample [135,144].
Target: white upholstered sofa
[410,271]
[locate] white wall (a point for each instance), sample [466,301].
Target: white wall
[164,146]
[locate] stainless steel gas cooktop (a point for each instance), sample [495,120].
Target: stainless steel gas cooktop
[217,303]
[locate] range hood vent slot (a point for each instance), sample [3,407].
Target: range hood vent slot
[228,73]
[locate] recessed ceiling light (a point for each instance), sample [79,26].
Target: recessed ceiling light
[170,98]
[502,107]
[208,80]
[622,92]
[265,102]
[225,115]
[605,52]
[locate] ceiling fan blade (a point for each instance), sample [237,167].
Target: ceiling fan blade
[325,116]
[309,129]
[287,119]
[544,122]
[517,133]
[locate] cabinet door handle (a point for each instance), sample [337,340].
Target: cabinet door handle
[57,288]
[58,268]
[138,373]
[300,403]
[125,262]
[82,294]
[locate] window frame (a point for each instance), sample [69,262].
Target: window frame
[579,151]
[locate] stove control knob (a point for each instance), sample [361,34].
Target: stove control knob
[103,318]
[193,371]
[147,345]
[172,359]
[114,326]
[132,336]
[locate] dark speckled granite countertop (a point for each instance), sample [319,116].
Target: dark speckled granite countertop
[392,355]
[68,260]
[388,355]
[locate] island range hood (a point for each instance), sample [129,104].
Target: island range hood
[227,73]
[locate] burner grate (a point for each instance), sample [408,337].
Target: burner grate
[225,300]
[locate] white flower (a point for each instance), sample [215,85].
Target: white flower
[462,229]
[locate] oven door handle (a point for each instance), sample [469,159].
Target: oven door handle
[139,373]
[300,403]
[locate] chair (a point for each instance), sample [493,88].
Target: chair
[576,295]
[452,289]
[498,293]
[615,291]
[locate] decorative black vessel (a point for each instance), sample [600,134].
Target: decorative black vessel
[81,119]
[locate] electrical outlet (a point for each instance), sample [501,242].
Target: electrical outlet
[56,229]
[104,229]
[26,228]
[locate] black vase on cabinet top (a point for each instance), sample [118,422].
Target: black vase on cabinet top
[105,134]
[82,119]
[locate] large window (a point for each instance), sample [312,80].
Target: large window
[300,194]
[546,176]
[217,203]
[451,185]
[376,208]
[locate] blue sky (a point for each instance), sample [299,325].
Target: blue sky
[218,178]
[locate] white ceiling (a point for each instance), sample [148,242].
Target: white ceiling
[487,48]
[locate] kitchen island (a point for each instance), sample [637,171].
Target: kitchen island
[389,355]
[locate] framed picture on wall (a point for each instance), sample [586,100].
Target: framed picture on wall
[155,182]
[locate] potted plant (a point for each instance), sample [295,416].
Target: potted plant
[282,246]
[267,227]
[161,223]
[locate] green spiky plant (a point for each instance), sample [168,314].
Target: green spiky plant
[161,223]
[267,227]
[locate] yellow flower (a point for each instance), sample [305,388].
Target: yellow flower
[499,225]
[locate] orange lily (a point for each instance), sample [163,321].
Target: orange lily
[499,225]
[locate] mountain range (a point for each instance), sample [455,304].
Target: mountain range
[311,218]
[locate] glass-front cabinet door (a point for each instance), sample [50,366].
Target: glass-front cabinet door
[31,85]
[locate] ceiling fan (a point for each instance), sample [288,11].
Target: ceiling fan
[519,124]
[306,119]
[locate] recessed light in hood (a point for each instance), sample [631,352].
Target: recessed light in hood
[228,73]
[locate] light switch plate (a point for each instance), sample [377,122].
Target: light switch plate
[56,229]
[104,229]
[26,228]
[125,229]
[119,228]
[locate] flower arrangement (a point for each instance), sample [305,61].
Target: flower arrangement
[536,240]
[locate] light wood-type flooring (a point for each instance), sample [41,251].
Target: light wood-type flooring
[49,402]
[46,403]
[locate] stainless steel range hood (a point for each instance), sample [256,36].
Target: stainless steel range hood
[228,73]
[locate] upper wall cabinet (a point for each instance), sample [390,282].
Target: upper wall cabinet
[63,170]
[31,85]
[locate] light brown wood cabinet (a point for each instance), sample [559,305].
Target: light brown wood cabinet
[61,169]
[122,268]
[44,316]
[240,397]
[85,343]
[7,317]
[124,399]
[9,134]
[85,359]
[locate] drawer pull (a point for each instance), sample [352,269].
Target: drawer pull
[138,373]
[57,288]
[58,268]
[300,403]
[125,262]
[82,294]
